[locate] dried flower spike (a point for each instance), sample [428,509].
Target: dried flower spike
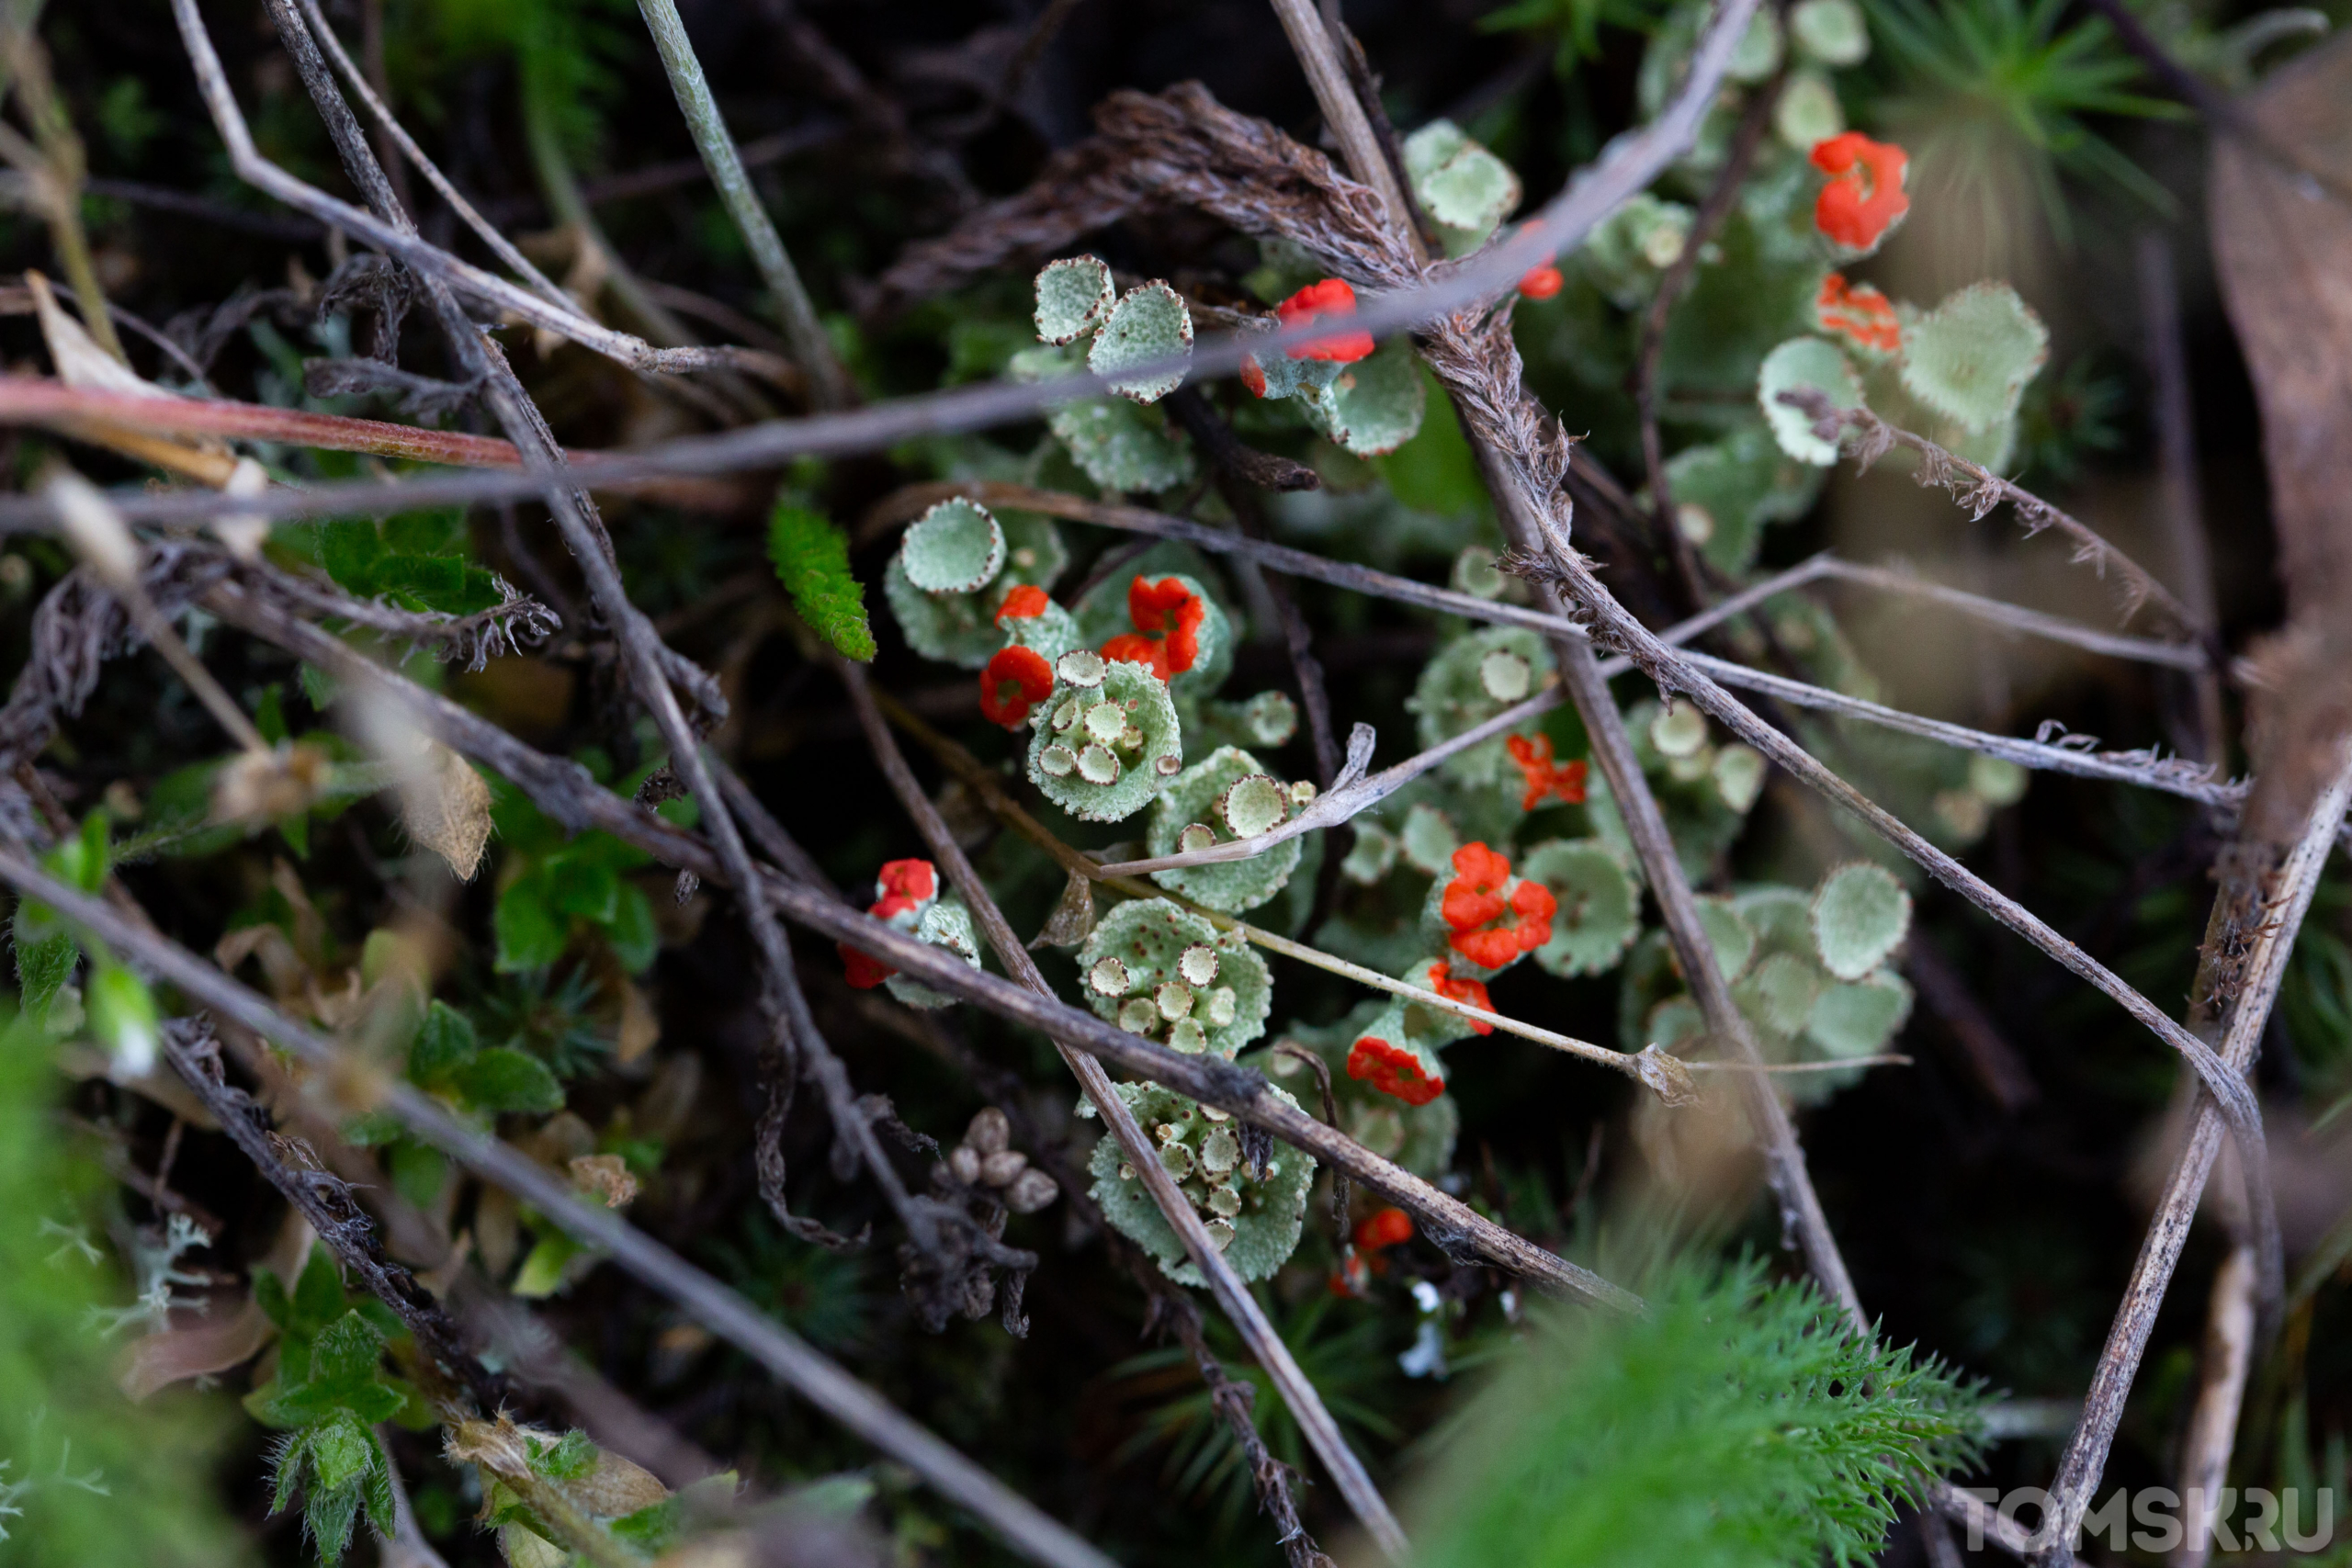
[1865,196]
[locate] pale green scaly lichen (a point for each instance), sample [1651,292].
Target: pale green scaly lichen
[1119,444]
[957,547]
[1859,914]
[1805,363]
[1831,31]
[1469,682]
[1599,905]
[1160,971]
[1148,324]
[960,628]
[1375,405]
[945,924]
[1073,297]
[1971,356]
[1107,739]
[1253,1218]
[1465,189]
[1191,815]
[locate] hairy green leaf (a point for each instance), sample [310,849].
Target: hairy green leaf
[811,559]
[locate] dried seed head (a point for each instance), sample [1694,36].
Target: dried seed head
[1030,1191]
[989,1132]
[1109,976]
[1197,965]
[999,1169]
[964,1163]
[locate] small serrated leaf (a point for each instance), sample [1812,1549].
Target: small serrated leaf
[811,559]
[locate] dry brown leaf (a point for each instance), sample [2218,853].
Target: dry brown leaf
[640,1026]
[2279,240]
[209,1345]
[604,1176]
[445,805]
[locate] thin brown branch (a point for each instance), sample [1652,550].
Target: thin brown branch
[323,1199]
[2267,890]
[1979,490]
[2214,1423]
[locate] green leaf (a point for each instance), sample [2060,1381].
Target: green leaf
[269,714]
[340,1451]
[344,1358]
[445,1044]
[542,1272]
[288,1475]
[349,549]
[43,965]
[635,936]
[318,1294]
[503,1078]
[270,1296]
[530,935]
[571,1458]
[811,559]
[330,1517]
[580,884]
